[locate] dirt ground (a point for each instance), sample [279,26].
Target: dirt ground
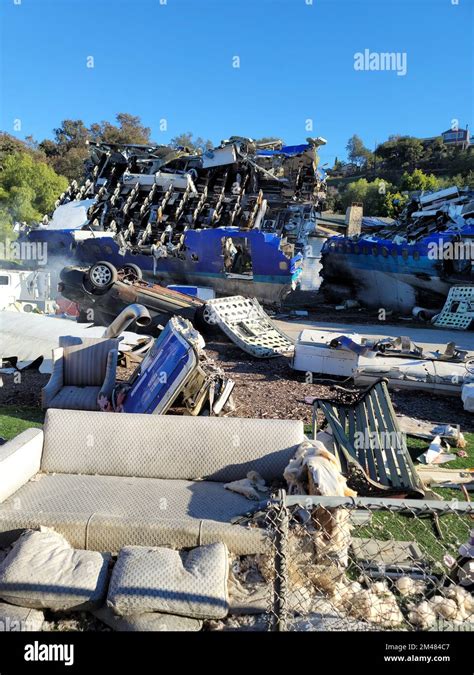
[265,388]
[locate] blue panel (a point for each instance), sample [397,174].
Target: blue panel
[163,367]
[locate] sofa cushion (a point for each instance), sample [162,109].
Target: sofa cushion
[104,513]
[168,446]
[147,621]
[43,571]
[76,398]
[190,584]
[23,619]
[85,359]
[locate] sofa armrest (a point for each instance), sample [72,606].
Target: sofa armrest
[110,376]
[56,381]
[20,460]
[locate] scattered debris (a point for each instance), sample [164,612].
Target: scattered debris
[252,487]
[428,430]
[436,453]
[235,217]
[103,291]
[390,557]
[410,263]
[433,476]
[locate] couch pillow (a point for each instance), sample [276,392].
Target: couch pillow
[19,619]
[155,579]
[148,622]
[42,570]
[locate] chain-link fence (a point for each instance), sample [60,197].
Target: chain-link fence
[371,564]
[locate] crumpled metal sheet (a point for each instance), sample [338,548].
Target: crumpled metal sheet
[27,336]
[245,322]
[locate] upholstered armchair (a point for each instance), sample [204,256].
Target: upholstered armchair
[84,371]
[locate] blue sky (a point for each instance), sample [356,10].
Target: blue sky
[173,60]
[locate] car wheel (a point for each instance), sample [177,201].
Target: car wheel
[102,275]
[132,272]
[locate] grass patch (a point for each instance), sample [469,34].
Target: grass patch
[15,419]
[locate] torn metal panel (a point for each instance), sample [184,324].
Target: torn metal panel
[458,310]
[245,322]
[40,335]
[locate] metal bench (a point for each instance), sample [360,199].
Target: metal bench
[371,447]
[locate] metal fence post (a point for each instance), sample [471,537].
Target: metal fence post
[280,588]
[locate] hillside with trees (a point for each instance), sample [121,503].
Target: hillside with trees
[383,179]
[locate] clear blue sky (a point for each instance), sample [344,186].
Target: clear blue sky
[174,61]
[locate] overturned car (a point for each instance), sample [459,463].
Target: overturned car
[103,291]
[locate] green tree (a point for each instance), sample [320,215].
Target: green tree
[371,194]
[418,181]
[187,140]
[129,130]
[67,152]
[395,202]
[357,152]
[401,152]
[28,189]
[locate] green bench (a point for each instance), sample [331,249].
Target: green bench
[368,441]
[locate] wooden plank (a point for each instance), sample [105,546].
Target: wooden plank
[379,443]
[400,450]
[392,465]
[361,413]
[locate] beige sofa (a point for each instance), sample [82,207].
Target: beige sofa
[107,480]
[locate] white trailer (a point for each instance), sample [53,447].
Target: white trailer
[25,290]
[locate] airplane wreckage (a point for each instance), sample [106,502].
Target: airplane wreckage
[410,263]
[234,218]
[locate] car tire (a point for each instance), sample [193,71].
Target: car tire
[132,270]
[101,276]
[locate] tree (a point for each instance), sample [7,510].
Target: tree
[129,130]
[67,152]
[395,202]
[371,194]
[402,152]
[186,140]
[418,181]
[28,188]
[9,144]
[357,152]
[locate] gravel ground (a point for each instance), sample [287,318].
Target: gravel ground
[264,388]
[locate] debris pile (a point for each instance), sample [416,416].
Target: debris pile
[411,263]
